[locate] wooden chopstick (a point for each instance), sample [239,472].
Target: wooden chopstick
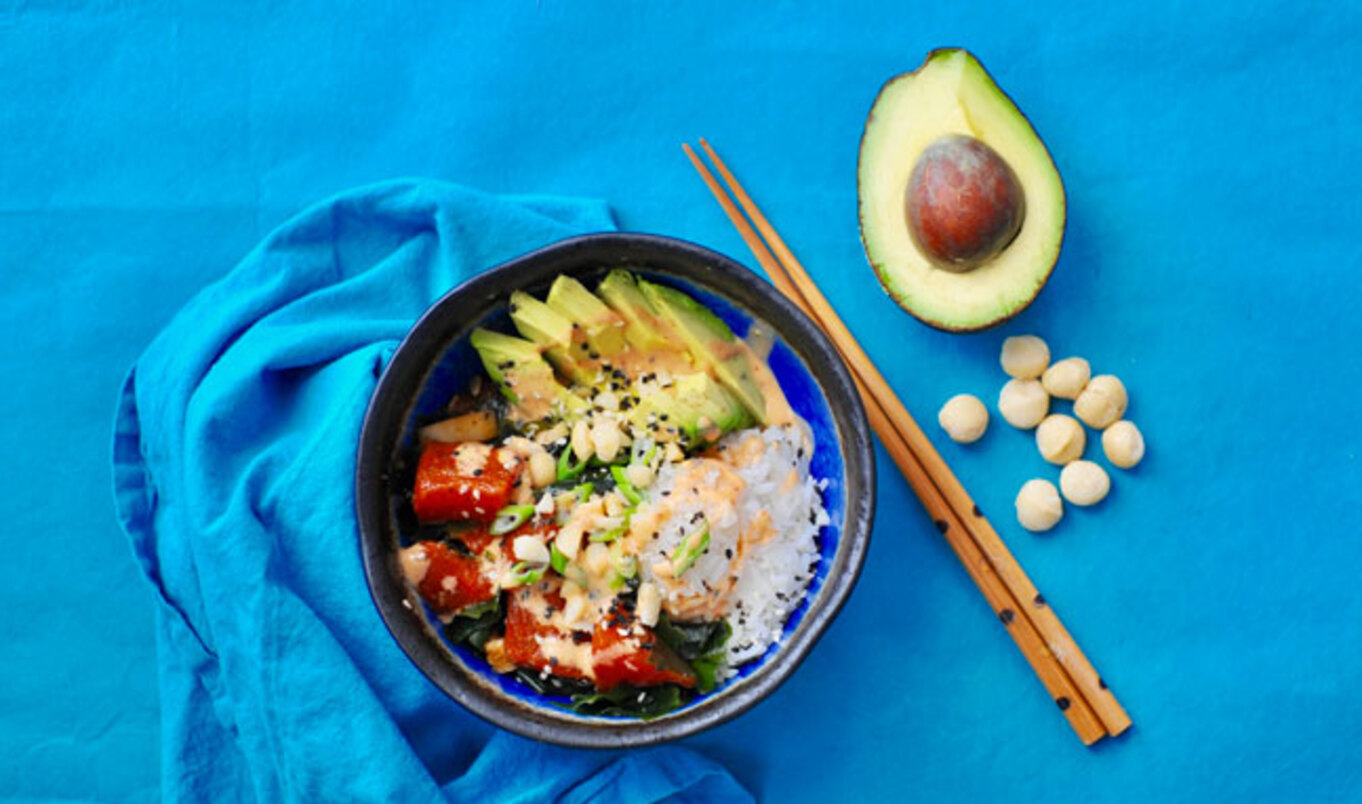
[1061,666]
[1060,686]
[1062,644]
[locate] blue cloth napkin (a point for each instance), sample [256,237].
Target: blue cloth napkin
[234,462]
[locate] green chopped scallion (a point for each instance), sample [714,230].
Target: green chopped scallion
[524,573]
[625,487]
[567,468]
[608,535]
[557,560]
[690,549]
[510,518]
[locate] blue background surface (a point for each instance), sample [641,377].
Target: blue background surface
[1211,162]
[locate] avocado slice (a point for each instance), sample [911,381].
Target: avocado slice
[523,376]
[695,407]
[554,332]
[652,339]
[710,341]
[952,260]
[601,327]
[644,328]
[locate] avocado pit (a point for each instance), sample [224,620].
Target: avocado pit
[964,203]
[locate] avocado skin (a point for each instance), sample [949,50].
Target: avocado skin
[878,267]
[698,326]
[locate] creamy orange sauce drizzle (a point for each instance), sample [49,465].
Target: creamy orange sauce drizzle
[778,411]
[535,395]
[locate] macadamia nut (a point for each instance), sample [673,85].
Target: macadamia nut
[1023,403]
[1102,403]
[1060,439]
[1038,505]
[1123,444]
[964,418]
[1067,378]
[1084,483]
[1025,356]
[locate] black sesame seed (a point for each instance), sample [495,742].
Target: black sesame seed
[1063,703]
[1006,615]
[1101,683]
[942,526]
[977,512]
[579,637]
[1039,599]
[728,552]
[477,473]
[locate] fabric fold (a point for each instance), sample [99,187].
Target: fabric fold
[233,461]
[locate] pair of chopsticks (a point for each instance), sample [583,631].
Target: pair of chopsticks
[1083,697]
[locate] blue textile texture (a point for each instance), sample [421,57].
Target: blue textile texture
[1210,156]
[234,461]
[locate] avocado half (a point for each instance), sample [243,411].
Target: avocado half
[952,94]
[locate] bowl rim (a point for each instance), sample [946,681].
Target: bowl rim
[440,326]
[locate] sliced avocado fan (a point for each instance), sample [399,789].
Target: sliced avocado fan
[710,341]
[552,331]
[523,376]
[601,327]
[695,407]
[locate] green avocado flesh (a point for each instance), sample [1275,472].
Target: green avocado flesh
[602,328]
[626,329]
[525,379]
[551,330]
[711,341]
[951,94]
[697,406]
[644,328]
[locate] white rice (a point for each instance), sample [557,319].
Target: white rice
[764,512]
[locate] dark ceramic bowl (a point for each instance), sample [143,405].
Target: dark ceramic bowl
[436,360]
